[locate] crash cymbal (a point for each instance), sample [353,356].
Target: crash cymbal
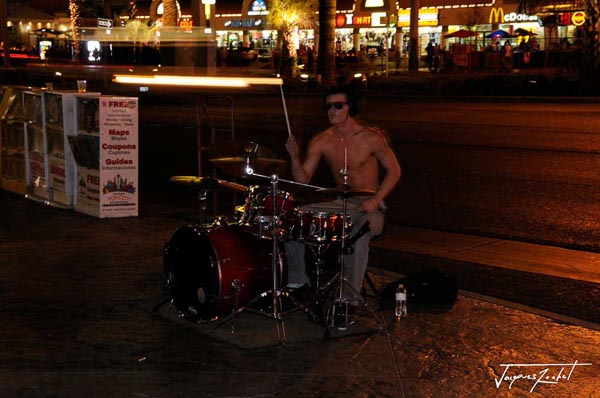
[237,149]
[349,191]
[237,165]
[208,183]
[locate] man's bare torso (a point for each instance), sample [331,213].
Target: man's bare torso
[359,148]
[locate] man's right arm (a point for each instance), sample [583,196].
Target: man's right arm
[303,172]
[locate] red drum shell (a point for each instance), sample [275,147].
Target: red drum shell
[202,268]
[317,226]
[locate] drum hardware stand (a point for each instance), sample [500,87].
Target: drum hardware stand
[202,200]
[342,280]
[276,293]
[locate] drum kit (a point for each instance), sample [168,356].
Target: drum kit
[216,270]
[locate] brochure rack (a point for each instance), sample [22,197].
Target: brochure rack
[12,141]
[36,159]
[59,125]
[105,148]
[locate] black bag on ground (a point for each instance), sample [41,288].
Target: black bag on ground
[431,286]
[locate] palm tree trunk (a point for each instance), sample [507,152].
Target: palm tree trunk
[169,13]
[326,49]
[75,9]
[288,55]
[4,32]
[591,47]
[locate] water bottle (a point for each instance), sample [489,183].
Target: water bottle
[400,311]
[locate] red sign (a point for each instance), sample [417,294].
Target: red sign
[362,21]
[340,21]
[564,19]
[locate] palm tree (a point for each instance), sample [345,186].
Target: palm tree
[326,56]
[139,33]
[132,9]
[169,13]
[75,15]
[590,45]
[287,16]
[4,32]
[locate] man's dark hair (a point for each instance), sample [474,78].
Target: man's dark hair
[353,95]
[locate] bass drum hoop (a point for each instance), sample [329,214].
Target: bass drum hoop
[192,273]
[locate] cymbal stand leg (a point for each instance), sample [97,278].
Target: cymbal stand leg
[277,305]
[321,288]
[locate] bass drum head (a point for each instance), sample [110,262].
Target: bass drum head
[192,273]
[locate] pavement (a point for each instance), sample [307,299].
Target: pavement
[83,310]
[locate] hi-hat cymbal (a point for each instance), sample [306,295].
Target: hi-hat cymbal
[256,162]
[348,191]
[208,183]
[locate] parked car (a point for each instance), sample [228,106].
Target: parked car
[241,56]
[264,55]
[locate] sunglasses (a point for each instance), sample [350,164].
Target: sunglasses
[336,105]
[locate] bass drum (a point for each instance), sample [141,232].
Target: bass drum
[205,270]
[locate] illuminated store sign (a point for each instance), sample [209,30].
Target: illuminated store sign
[427,17]
[373,3]
[243,23]
[186,23]
[378,19]
[364,20]
[578,18]
[258,7]
[497,15]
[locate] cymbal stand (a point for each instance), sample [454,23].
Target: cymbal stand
[202,201]
[276,293]
[341,276]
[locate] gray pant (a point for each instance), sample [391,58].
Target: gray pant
[356,263]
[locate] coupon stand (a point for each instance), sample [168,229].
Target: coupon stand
[59,125]
[12,142]
[106,153]
[36,159]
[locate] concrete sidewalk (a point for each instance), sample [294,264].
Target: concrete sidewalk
[77,296]
[518,256]
[553,281]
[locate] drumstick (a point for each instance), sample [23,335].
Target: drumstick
[287,120]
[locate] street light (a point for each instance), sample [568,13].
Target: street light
[207,4]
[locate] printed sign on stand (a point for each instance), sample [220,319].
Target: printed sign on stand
[118,157]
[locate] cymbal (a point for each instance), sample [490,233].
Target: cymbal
[349,191]
[208,183]
[237,165]
[253,162]
[237,148]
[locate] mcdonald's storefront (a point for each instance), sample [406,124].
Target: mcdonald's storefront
[489,19]
[550,31]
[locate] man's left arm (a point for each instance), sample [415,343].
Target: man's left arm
[388,160]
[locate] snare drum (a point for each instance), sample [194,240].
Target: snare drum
[318,226]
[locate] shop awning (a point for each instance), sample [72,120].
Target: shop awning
[444,3]
[498,34]
[461,34]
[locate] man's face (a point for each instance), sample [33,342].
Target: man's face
[337,108]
